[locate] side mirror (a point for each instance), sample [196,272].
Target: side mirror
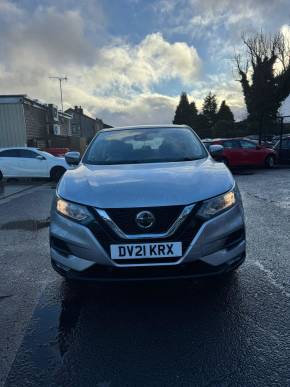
[258,147]
[72,158]
[39,157]
[216,150]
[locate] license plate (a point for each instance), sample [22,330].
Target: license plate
[147,250]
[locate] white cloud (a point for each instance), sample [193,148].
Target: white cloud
[220,24]
[164,7]
[46,38]
[200,15]
[141,66]
[116,79]
[149,108]
[7,8]
[285,31]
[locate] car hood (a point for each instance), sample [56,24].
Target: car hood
[145,185]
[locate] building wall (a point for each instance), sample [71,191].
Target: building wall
[65,125]
[88,127]
[36,122]
[27,122]
[99,124]
[12,125]
[75,124]
[82,125]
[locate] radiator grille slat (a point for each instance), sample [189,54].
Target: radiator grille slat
[164,218]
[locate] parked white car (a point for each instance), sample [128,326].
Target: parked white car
[30,162]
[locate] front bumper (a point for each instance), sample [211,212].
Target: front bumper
[196,269]
[217,246]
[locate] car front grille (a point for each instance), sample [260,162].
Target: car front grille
[164,218]
[185,234]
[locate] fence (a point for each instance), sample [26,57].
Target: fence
[244,128]
[73,143]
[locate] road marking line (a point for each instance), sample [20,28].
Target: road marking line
[15,195]
[270,277]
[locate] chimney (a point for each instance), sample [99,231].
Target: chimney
[79,109]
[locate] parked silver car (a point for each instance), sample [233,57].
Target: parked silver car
[146,203]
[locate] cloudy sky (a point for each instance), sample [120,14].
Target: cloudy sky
[128,60]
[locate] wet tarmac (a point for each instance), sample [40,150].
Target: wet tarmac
[203,333]
[231,332]
[14,186]
[26,224]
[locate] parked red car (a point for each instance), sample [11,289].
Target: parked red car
[240,151]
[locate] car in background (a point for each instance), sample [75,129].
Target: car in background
[267,141]
[30,162]
[58,152]
[283,150]
[242,152]
[207,142]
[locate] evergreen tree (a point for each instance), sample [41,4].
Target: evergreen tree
[186,113]
[209,109]
[225,113]
[202,126]
[182,111]
[223,128]
[193,109]
[193,115]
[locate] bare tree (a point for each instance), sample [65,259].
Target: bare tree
[264,74]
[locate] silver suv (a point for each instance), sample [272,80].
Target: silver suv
[146,202]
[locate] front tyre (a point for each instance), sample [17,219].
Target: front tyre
[270,161]
[56,173]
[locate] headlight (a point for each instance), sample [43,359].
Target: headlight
[72,210]
[215,206]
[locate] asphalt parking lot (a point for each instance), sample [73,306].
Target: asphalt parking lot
[189,333]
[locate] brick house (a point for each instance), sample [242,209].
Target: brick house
[28,122]
[83,125]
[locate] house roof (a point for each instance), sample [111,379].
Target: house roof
[71,110]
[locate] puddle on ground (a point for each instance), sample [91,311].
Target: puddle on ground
[27,224]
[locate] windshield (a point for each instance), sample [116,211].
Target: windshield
[145,145]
